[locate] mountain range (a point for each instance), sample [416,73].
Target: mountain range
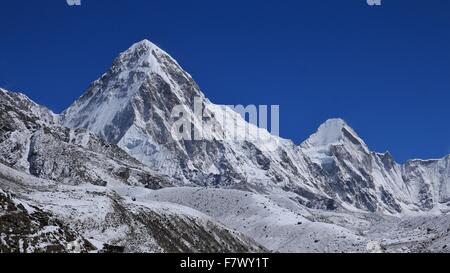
[107,175]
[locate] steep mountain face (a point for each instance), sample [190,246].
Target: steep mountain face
[428,182]
[32,141]
[374,181]
[349,172]
[131,106]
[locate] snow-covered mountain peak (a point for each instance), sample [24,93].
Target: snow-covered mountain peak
[143,55]
[145,43]
[141,48]
[332,132]
[144,83]
[328,133]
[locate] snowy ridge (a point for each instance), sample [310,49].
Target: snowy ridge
[14,99]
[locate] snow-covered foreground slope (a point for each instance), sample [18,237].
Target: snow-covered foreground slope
[275,222]
[281,225]
[27,228]
[103,220]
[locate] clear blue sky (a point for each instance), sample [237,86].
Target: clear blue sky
[386,70]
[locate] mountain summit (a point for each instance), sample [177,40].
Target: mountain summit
[141,76]
[334,131]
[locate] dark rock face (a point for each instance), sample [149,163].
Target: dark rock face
[312,200]
[390,200]
[428,180]
[351,137]
[257,156]
[34,231]
[112,249]
[173,233]
[121,122]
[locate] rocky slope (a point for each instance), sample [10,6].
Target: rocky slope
[28,229]
[32,141]
[47,216]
